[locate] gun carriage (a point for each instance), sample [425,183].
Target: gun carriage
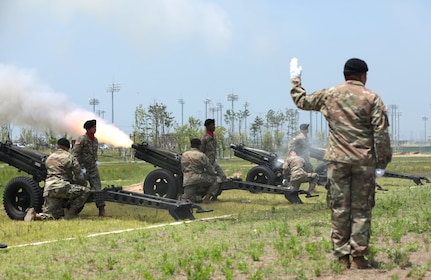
[166,180]
[24,192]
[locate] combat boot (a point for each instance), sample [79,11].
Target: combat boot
[102,212]
[344,261]
[206,199]
[360,263]
[30,215]
[70,213]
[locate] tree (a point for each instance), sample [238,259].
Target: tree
[183,134]
[141,126]
[160,121]
[256,131]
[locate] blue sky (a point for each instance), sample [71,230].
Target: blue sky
[161,51]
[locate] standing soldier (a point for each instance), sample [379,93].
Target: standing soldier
[209,147]
[85,150]
[294,168]
[301,145]
[358,146]
[200,177]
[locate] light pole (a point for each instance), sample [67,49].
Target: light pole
[220,107]
[113,88]
[181,101]
[206,101]
[212,110]
[425,121]
[101,112]
[232,97]
[246,104]
[93,102]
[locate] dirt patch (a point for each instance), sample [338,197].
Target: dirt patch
[138,187]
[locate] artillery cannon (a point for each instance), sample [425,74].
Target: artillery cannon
[167,180]
[270,167]
[25,192]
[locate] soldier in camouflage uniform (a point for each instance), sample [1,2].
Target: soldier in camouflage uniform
[199,176]
[85,150]
[358,145]
[64,181]
[301,145]
[294,169]
[209,148]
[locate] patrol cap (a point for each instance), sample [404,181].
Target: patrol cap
[355,65]
[209,122]
[89,124]
[195,142]
[63,142]
[304,126]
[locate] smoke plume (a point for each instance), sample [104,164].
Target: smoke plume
[25,101]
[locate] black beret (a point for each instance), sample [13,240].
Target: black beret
[89,124]
[303,126]
[355,65]
[195,142]
[63,142]
[209,122]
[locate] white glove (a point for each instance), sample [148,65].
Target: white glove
[97,163]
[379,172]
[295,69]
[84,171]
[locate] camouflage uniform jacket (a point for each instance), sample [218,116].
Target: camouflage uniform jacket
[62,169]
[357,120]
[209,147]
[301,145]
[195,165]
[85,151]
[294,165]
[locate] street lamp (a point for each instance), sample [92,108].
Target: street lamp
[206,101]
[93,102]
[113,88]
[181,101]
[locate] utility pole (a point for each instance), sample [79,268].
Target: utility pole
[113,88]
[93,102]
[181,101]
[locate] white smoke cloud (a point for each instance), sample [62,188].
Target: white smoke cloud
[25,101]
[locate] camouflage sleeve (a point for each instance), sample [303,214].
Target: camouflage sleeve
[77,170]
[312,102]
[204,142]
[76,152]
[382,142]
[208,166]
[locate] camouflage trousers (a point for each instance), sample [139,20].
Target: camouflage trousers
[311,178]
[93,179]
[208,185]
[55,199]
[351,193]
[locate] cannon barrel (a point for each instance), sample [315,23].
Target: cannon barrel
[24,159]
[257,156]
[158,157]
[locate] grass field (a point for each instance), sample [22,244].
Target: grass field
[247,236]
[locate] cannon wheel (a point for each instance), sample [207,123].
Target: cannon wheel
[161,182]
[322,171]
[22,193]
[261,174]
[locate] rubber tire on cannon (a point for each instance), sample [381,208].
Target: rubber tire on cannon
[261,174]
[22,193]
[161,182]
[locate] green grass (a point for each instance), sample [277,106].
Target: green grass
[267,238]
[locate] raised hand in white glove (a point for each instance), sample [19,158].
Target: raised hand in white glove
[379,172]
[295,69]
[84,171]
[97,163]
